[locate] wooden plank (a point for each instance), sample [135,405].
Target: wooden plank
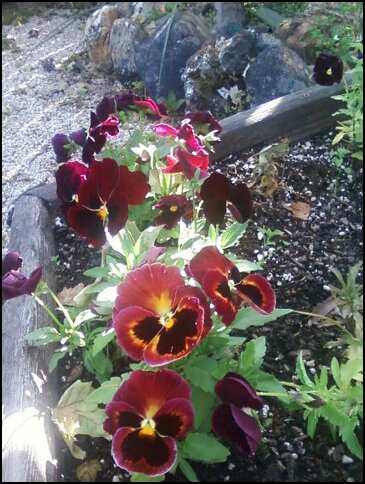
[28,443]
[295,116]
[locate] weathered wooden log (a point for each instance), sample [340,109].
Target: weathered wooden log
[295,116]
[28,444]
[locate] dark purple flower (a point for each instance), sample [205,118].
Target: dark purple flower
[204,121]
[172,209]
[328,70]
[62,144]
[14,283]
[98,134]
[229,421]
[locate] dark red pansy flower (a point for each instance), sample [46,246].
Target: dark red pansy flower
[328,70]
[69,177]
[98,134]
[184,160]
[156,317]
[172,209]
[229,421]
[227,287]
[218,193]
[14,283]
[201,119]
[103,198]
[62,144]
[149,412]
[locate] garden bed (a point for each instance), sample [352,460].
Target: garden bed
[299,270]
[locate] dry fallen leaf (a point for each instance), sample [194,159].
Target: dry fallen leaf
[299,209]
[88,471]
[66,296]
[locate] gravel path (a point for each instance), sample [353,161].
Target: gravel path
[48,87]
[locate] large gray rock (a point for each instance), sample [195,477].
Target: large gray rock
[230,18]
[215,69]
[124,37]
[186,35]
[97,33]
[276,71]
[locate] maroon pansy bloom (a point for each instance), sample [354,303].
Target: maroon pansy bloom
[62,144]
[14,283]
[69,177]
[229,421]
[172,209]
[188,159]
[156,317]
[98,134]
[149,412]
[103,198]
[218,193]
[113,104]
[328,70]
[227,287]
[204,121]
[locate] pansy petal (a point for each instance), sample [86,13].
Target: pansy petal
[134,185]
[240,198]
[12,261]
[215,285]
[151,286]
[135,451]
[328,69]
[87,224]
[135,327]
[117,211]
[151,107]
[173,208]
[121,414]
[148,391]
[209,258]
[163,129]
[256,291]
[175,418]
[236,427]
[79,136]
[105,175]
[105,108]
[189,291]
[59,144]
[172,165]
[233,388]
[14,283]
[181,334]
[69,177]
[204,117]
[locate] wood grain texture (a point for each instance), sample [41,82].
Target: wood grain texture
[28,444]
[295,116]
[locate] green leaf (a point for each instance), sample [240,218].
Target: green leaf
[212,234]
[102,340]
[203,403]
[350,439]
[43,336]
[200,377]
[312,422]
[144,478]
[96,272]
[335,369]
[187,470]
[248,317]
[74,415]
[331,413]
[146,240]
[84,316]
[105,392]
[204,448]
[302,372]
[55,358]
[253,355]
[350,370]
[244,265]
[232,234]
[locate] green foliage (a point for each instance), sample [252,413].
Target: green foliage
[204,447]
[172,103]
[339,404]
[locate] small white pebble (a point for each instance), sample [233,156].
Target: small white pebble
[260,257]
[231,466]
[347,460]
[227,478]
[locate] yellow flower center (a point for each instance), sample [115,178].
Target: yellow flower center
[75,198]
[174,208]
[329,71]
[167,320]
[148,426]
[103,212]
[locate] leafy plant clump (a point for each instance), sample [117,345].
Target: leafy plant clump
[162,324]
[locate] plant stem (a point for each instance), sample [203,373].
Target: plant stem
[61,306]
[48,310]
[321,316]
